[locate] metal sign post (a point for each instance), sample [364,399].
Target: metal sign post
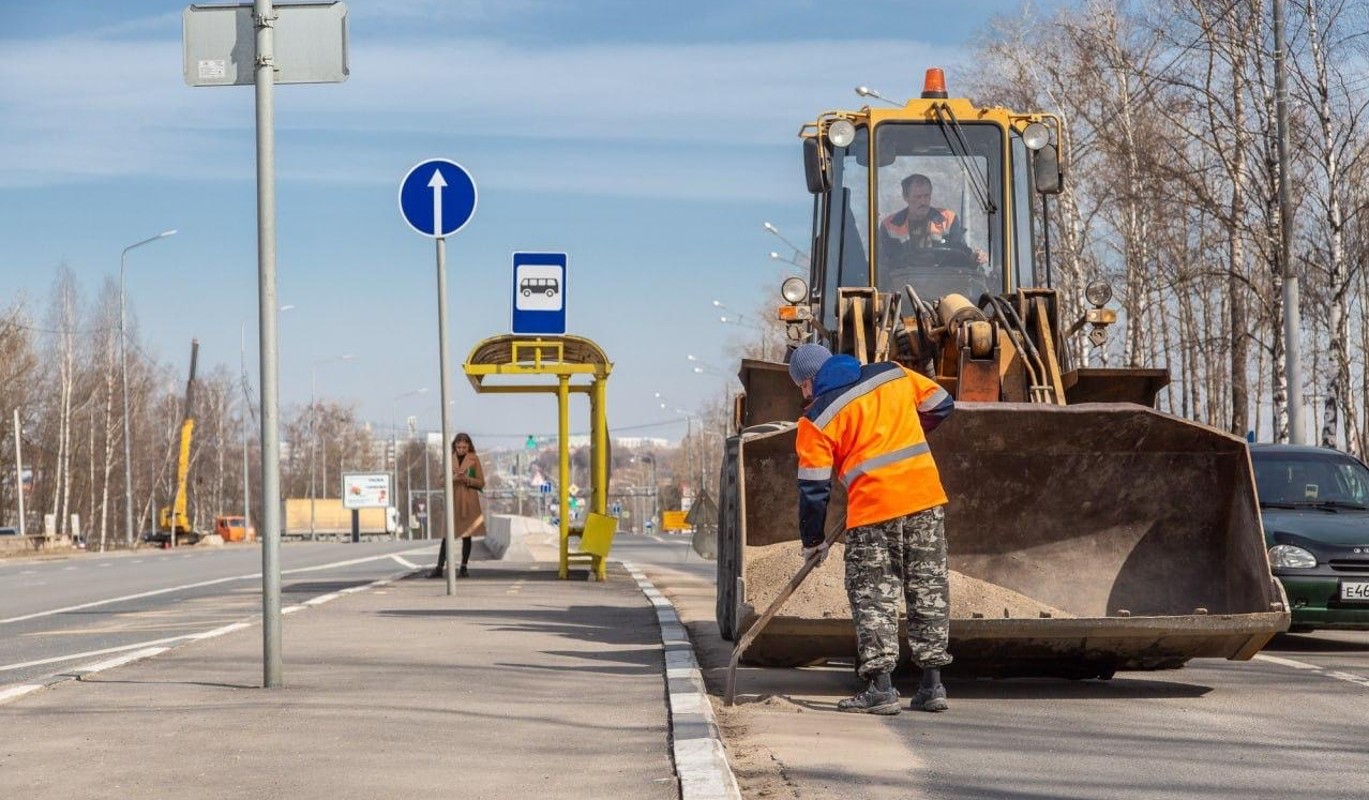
[222,45]
[437,198]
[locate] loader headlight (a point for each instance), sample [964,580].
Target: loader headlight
[841,133]
[1098,293]
[1036,136]
[794,290]
[1287,556]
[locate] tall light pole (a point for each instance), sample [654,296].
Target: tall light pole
[800,257]
[394,442]
[123,369]
[246,411]
[313,428]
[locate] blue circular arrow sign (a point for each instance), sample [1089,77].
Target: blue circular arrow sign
[437,197]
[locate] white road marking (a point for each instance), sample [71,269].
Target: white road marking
[214,582]
[12,692]
[91,653]
[405,562]
[1303,665]
[100,666]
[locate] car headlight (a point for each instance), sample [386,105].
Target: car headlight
[1287,556]
[794,290]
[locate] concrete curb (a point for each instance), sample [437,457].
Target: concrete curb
[700,761]
[16,691]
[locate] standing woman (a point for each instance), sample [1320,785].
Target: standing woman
[468,479]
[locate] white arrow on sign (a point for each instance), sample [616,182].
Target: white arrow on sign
[437,184]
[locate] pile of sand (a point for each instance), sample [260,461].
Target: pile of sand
[822,595]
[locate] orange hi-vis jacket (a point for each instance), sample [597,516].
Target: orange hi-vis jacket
[867,427]
[940,221]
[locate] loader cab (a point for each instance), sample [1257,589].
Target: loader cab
[939,195]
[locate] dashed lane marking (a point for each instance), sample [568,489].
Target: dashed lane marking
[1306,667]
[214,582]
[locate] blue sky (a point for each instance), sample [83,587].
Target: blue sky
[648,140]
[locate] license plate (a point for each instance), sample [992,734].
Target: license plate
[1354,592]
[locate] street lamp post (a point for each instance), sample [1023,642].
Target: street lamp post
[800,257]
[123,369]
[246,411]
[313,430]
[394,441]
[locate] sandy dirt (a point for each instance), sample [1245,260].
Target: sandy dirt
[823,593]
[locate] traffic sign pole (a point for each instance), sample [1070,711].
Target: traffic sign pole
[437,198]
[448,513]
[270,368]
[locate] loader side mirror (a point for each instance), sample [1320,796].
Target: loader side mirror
[818,179]
[1046,171]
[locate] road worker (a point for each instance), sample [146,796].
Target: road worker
[866,426]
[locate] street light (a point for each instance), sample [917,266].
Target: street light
[866,91]
[313,428]
[123,369]
[247,410]
[394,446]
[799,252]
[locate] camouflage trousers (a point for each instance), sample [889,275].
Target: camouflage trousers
[902,556]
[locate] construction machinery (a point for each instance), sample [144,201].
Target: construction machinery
[1088,532]
[174,519]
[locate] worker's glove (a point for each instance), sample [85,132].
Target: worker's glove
[820,549]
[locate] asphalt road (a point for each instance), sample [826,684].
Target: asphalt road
[1291,723]
[58,614]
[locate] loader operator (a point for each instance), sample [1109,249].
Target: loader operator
[865,425]
[920,225]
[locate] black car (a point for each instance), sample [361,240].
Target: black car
[1315,505]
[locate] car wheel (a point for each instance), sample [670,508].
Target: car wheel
[527,293]
[551,292]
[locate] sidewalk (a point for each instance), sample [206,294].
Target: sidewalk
[518,686]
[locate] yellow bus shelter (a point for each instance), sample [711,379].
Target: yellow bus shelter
[576,365]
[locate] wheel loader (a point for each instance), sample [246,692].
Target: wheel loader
[1087,531]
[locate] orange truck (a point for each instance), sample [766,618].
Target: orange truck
[234,529]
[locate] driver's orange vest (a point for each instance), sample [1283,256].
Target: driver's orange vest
[939,222]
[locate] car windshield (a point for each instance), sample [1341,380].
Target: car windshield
[939,202]
[1302,479]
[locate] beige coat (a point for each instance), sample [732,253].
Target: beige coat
[470,519]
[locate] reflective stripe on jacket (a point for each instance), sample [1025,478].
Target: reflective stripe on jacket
[871,435]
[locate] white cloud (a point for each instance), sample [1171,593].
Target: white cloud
[81,108]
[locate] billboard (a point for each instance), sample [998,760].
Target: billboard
[366,490]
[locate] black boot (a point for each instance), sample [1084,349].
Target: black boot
[931,695]
[878,698]
[463,573]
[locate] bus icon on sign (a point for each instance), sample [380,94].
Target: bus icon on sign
[547,286]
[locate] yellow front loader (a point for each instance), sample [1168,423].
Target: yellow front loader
[1088,532]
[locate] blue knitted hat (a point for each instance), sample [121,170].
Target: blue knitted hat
[806,360]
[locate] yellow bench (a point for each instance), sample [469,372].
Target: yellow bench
[596,539]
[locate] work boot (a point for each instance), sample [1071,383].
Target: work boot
[463,572]
[879,697]
[931,695]
[436,573]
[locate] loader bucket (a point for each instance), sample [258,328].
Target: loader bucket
[1083,539]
